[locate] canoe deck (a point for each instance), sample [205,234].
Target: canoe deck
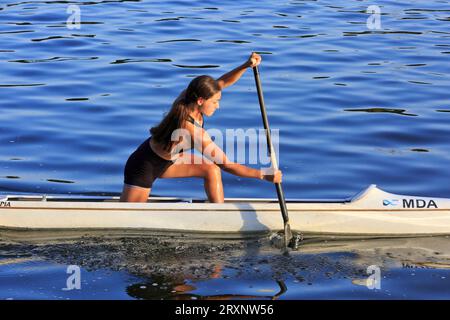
[372,212]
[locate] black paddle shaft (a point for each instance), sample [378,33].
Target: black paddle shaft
[262,106]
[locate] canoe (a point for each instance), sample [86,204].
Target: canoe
[372,212]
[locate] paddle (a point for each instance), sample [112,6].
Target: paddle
[282,202]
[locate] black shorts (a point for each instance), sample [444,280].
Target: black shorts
[144,166]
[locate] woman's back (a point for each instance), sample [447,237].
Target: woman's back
[185,144]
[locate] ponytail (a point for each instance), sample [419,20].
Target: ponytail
[200,87]
[172,120]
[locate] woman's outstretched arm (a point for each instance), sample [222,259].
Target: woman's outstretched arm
[234,75]
[203,143]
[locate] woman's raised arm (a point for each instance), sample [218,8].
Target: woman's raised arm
[234,75]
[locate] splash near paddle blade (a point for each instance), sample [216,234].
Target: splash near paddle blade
[278,240]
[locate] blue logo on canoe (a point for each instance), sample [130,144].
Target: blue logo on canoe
[391,202]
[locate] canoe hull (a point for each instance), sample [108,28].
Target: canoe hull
[322,222]
[371,213]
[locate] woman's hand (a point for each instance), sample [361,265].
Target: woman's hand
[234,75]
[271,176]
[254,60]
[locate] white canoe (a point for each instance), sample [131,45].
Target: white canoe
[372,212]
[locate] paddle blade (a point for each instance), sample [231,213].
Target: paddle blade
[287,234]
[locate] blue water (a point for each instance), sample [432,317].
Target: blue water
[354,106]
[48,281]
[255,274]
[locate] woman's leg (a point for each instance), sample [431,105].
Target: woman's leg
[194,166]
[134,194]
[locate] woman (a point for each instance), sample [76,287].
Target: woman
[162,156]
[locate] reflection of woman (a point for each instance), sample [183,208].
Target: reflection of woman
[161,157]
[177,289]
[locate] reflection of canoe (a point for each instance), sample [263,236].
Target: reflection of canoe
[371,212]
[5,262]
[429,265]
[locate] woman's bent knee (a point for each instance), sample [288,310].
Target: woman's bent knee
[212,171]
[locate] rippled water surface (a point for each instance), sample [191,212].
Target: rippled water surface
[187,270]
[354,106]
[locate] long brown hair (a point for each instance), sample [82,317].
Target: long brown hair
[200,87]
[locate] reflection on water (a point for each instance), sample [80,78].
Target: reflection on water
[142,60]
[54,59]
[60,181]
[382,110]
[182,291]
[189,269]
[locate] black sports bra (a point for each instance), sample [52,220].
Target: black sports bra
[195,123]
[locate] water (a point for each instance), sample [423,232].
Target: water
[192,270]
[354,106]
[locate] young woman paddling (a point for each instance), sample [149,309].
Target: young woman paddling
[162,155]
